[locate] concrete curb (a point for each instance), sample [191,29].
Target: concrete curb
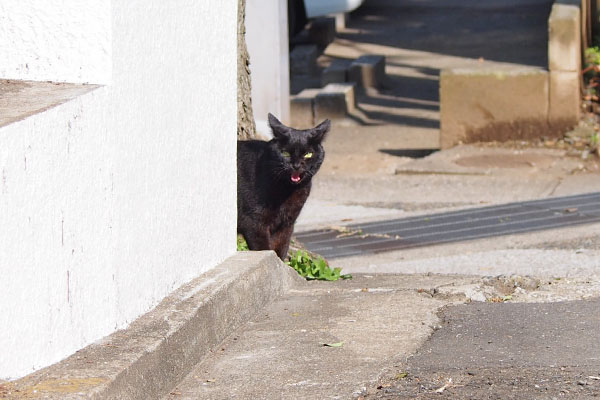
[157,350]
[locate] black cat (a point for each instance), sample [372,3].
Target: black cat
[274,180]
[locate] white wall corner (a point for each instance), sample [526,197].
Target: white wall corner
[110,201]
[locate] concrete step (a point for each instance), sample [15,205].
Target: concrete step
[336,72]
[368,71]
[340,81]
[157,350]
[303,60]
[334,101]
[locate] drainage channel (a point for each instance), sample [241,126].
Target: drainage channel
[427,230]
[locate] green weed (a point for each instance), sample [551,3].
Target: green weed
[594,139]
[241,244]
[315,268]
[311,268]
[592,55]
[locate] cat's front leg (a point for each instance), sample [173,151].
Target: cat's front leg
[257,240]
[280,241]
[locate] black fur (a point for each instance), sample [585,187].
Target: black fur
[274,180]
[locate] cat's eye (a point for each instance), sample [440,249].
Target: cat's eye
[285,154]
[308,155]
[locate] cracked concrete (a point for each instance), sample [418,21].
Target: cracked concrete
[377,321]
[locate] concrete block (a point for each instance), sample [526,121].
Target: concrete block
[302,109]
[564,37]
[303,60]
[497,103]
[335,100]
[337,72]
[565,100]
[146,360]
[368,71]
[322,31]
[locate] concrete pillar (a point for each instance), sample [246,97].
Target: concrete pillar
[564,63]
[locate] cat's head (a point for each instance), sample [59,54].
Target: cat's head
[299,153]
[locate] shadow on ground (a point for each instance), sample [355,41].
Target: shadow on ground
[465,28]
[421,37]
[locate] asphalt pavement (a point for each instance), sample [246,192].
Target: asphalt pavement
[505,351]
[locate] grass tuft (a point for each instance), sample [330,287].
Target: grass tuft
[241,244]
[315,268]
[308,266]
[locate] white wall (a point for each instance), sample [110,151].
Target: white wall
[61,40]
[267,41]
[114,199]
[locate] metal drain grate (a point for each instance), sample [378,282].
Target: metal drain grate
[426,230]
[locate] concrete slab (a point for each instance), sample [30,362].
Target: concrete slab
[530,262]
[321,214]
[374,322]
[478,160]
[148,358]
[280,354]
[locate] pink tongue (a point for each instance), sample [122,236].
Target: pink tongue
[295,177]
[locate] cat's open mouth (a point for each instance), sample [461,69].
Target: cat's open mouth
[296,178]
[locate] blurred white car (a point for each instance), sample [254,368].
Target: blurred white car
[299,11]
[318,8]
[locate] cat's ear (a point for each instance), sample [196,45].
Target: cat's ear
[280,131]
[317,133]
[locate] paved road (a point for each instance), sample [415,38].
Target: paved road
[460,28]
[506,351]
